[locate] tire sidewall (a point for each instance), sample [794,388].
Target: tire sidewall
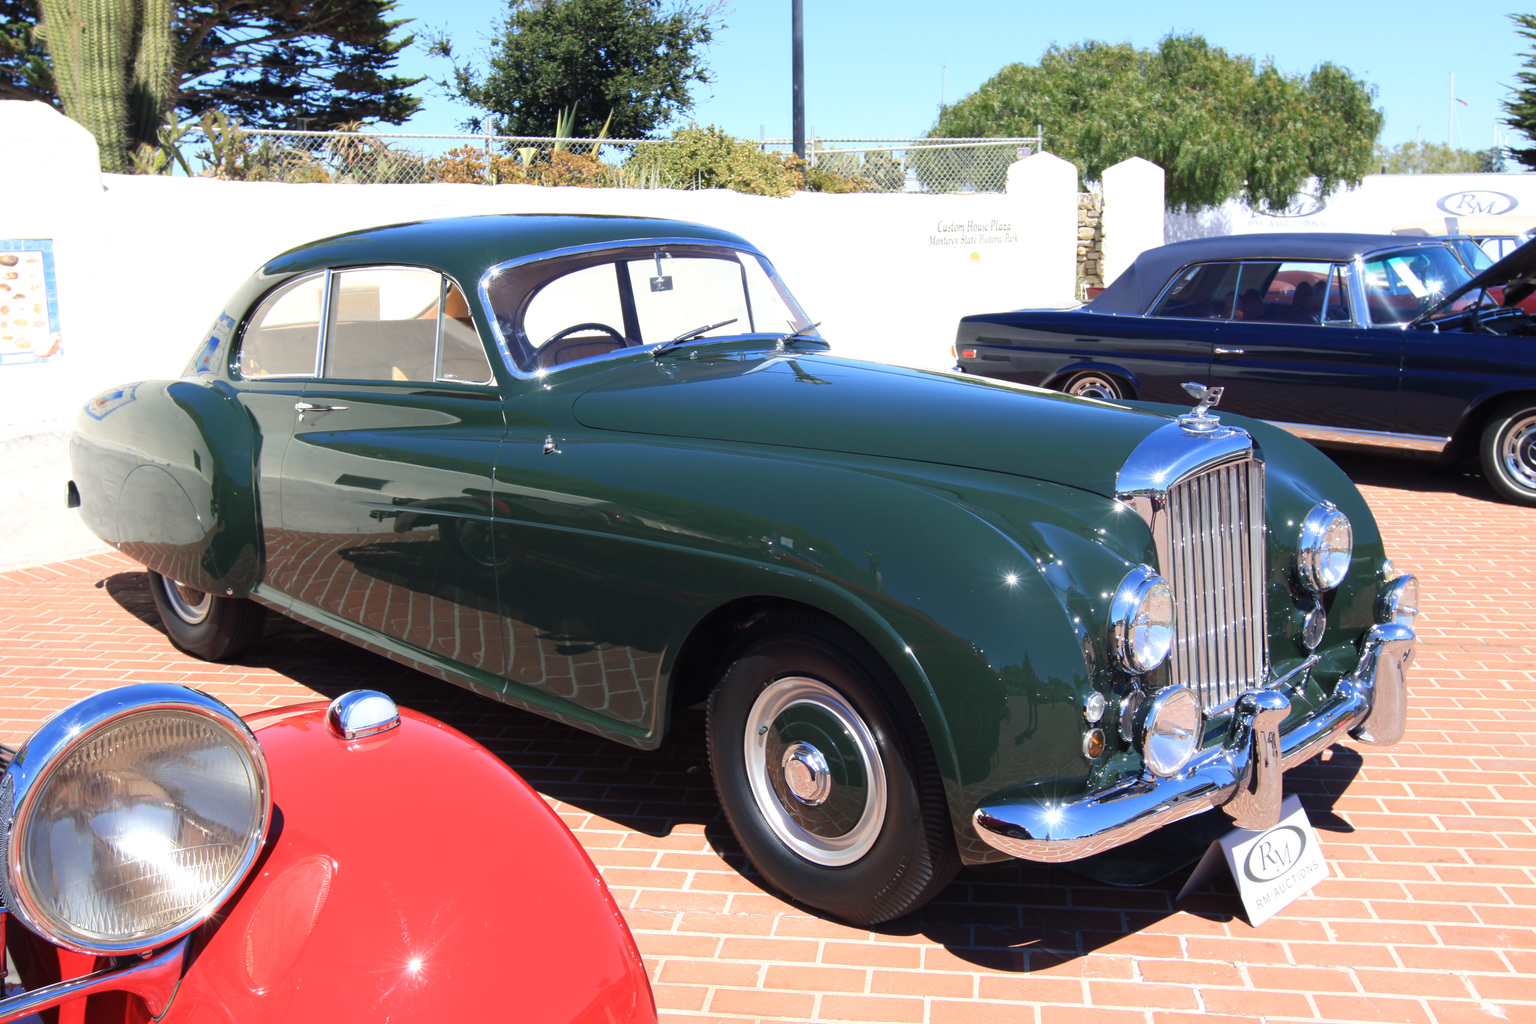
[1492,458]
[849,891]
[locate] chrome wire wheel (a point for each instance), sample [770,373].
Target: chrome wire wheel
[1517,452]
[190,604]
[1093,385]
[815,771]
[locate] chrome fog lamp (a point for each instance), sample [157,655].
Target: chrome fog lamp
[1170,730]
[1327,543]
[1399,602]
[133,815]
[1141,620]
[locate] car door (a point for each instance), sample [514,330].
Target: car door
[387,514]
[1294,354]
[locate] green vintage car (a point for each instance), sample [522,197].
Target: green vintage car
[605,469]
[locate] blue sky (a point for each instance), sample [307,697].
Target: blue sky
[876,69]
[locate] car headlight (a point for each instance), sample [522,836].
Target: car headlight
[1170,730]
[132,816]
[1399,602]
[1141,620]
[1327,543]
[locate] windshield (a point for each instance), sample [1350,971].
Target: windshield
[558,311]
[1399,286]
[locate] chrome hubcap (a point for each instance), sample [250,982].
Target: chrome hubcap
[815,771]
[1093,387]
[190,604]
[806,774]
[1518,453]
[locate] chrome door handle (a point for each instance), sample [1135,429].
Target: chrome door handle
[1228,351]
[304,407]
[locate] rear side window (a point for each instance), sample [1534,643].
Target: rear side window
[1206,291]
[282,338]
[384,323]
[1283,293]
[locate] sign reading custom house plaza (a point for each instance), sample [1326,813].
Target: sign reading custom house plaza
[972,232]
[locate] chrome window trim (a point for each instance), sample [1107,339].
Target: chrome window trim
[1349,435]
[616,245]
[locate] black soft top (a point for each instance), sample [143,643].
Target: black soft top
[1135,290]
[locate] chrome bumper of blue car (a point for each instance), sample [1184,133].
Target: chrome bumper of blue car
[1242,775]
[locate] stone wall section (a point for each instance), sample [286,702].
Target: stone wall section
[1090,241]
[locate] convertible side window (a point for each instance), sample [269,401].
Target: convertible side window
[1336,309]
[1282,293]
[1206,291]
[282,338]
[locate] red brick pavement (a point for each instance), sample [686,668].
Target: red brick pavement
[1430,915]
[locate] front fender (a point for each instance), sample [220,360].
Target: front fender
[410,876]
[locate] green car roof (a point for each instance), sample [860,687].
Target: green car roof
[466,246]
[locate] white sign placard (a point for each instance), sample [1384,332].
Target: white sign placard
[1272,868]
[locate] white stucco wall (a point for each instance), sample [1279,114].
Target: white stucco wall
[145,263]
[1132,221]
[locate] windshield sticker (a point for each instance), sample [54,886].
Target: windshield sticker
[29,305]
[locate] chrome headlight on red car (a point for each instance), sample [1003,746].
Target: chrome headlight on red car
[130,817]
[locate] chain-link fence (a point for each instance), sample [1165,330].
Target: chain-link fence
[919,165]
[225,150]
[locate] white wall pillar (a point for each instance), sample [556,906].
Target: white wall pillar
[1133,213]
[1043,188]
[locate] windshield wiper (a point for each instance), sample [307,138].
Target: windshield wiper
[690,335]
[792,335]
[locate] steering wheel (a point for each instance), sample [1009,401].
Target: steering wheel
[578,328]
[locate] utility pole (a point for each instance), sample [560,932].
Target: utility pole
[797,73]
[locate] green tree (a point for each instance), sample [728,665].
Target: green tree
[627,63]
[1437,158]
[1220,126]
[1521,107]
[280,63]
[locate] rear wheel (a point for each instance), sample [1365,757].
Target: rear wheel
[1508,452]
[826,775]
[1092,384]
[211,627]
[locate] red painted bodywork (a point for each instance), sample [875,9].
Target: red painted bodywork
[410,876]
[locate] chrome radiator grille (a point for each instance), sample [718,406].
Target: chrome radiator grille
[1215,565]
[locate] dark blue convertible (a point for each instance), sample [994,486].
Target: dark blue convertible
[1341,339]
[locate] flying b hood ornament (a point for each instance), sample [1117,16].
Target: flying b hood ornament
[1199,419]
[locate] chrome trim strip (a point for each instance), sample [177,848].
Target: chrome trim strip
[153,981]
[1348,435]
[1239,775]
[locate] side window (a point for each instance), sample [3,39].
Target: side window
[689,292]
[575,316]
[1337,310]
[282,338]
[383,324]
[463,356]
[1207,291]
[1282,293]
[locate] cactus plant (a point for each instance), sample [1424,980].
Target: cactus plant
[112,63]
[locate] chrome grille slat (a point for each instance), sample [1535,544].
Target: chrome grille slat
[1216,569]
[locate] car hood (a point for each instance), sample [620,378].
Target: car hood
[827,403]
[1515,273]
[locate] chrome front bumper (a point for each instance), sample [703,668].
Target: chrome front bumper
[1242,775]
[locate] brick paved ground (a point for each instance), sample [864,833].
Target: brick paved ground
[1430,915]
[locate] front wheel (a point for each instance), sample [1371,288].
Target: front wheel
[832,791]
[202,624]
[1509,453]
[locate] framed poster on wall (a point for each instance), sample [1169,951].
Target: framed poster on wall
[29,302]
